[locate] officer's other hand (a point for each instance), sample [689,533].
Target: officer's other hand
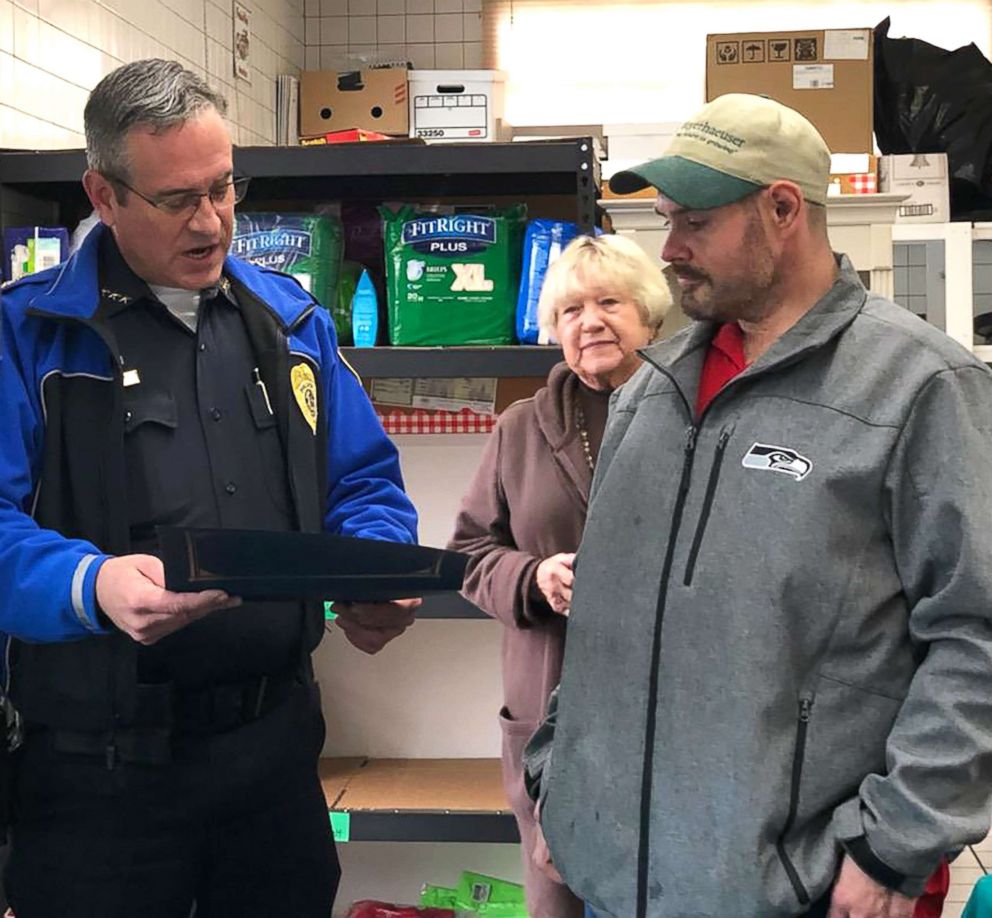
[857,895]
[370,626]
[130,591]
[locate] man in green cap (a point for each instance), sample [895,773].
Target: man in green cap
[787,559]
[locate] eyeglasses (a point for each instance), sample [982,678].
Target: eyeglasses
[186,203]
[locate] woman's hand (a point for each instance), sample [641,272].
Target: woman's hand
[554,579]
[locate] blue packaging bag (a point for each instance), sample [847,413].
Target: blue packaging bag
[27,249]
[543,243]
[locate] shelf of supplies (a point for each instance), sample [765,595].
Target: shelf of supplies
[513,360]
[361,171]
[425,800]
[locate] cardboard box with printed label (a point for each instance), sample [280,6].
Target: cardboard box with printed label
[373,100]
[923,176]
[825,75]
[457,105]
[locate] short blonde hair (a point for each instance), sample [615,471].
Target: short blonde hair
[614,262]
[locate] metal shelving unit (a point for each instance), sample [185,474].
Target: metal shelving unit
[518,360]
[48,183]
[381,800]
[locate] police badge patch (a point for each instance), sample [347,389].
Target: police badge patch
[305,391]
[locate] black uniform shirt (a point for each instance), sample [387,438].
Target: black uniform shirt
[202,449]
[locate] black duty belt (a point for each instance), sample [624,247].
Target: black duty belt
[218,708]
[166,711]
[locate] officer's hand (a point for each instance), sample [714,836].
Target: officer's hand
[131,592]
[856,895]
[370,626]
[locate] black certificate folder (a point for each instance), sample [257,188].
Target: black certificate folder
[301,565]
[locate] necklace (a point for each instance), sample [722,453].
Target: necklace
[580,422]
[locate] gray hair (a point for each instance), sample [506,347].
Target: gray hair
[150,93]
[616,262]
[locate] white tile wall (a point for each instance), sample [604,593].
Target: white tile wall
[428,33]
[965,872]
[52,52]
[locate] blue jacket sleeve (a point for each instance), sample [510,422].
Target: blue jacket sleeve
[48,582]
[365,495]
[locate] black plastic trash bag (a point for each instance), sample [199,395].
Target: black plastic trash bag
[929,100]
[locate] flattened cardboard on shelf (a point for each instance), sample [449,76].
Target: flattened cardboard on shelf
[419,785]
[827,75]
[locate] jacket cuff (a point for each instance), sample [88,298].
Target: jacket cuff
[533,607]
[862,855]
[83,593]
[848,826]
[860,851]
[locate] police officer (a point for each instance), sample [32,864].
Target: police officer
[171,741]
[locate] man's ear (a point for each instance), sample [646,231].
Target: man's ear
[786,201]
[102,196]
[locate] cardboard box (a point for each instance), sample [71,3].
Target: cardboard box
[825,75]
[373,100]
[853,174]
[632,144]
[457,105]
[923,176]
[607,192]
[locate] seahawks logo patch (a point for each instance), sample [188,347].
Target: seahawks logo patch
[777,459]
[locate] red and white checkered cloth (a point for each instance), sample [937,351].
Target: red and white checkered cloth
[862,183]
[421,421]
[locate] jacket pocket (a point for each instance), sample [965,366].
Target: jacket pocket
[798,758]
[158,474]
[516,733]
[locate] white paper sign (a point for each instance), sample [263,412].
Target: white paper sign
[242,42]
[846,44]
[812,76]
[478,394]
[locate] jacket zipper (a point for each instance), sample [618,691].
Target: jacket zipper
[704,516]
[648,773]
[805,707]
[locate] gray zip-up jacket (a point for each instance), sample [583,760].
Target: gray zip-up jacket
[780,644]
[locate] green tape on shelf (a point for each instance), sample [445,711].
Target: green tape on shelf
[341,826]
[329,612]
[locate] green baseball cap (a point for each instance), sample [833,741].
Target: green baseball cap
[735,145]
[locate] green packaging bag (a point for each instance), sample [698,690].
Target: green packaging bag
[452,278]
[489,895]
[438,897]
[308,246]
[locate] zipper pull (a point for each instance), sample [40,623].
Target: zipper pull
[690,438]
[805,708]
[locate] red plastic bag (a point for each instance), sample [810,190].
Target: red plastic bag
[931,903]
[366,908]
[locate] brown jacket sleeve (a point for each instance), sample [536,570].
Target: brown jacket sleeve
[499,575]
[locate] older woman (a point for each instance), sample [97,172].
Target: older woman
[522,518]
